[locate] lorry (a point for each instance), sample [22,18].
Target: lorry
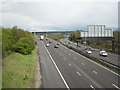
[41,37]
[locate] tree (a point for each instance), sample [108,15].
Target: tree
[75,35]
[23,46]
[10,38]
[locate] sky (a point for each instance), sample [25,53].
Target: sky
[54,15]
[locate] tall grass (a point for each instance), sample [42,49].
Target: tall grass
[18,71]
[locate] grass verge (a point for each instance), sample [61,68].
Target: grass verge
[18,71]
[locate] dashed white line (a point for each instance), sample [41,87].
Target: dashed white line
[83,64]
[56,67]
[116,86]
[65,51]
[75,58]
[69,53]
[64,58]
[95,72]
[69,64]
[93,61]
[78,73]
[92,87]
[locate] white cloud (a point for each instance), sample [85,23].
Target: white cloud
[59,15]
[59,0]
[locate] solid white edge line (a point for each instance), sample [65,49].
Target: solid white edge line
[116,86]
[92,87]
[57,68]
[92,61]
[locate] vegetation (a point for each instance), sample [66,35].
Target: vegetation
[75,35]
[18,71]
[56,36]
[19,58]
[23,46]
[16,40]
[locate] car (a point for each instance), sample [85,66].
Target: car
[47,45]
[79,45]
[88,51]
[66,42]
[88,48]
[56,46]
[50,41]
[47,39]
[76,43]
[58,43]
[103,53]
[69,42]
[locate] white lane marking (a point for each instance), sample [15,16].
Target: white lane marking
[64,58]
[78,73]
[75,58]
[93,62]
[69,64]
[83,64]
[57,68]
[116,86]
[69,54]
[95,72]
[65,51]
[92,87]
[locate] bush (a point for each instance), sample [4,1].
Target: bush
[10,38]
[23,46]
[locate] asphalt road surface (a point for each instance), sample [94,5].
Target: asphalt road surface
[73,70]
[50,76]
[112,58]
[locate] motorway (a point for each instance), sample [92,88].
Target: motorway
[112,58]
[50,77]
[63,68]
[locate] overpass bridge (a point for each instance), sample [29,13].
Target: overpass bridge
[51,32]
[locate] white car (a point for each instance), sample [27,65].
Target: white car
[47,45]
[56,46]
[76,43]
[88,51]
[103,53]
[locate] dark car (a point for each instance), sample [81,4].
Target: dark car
[79,45]
[56,46]
[58,43]
[47,39]
[69,43]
